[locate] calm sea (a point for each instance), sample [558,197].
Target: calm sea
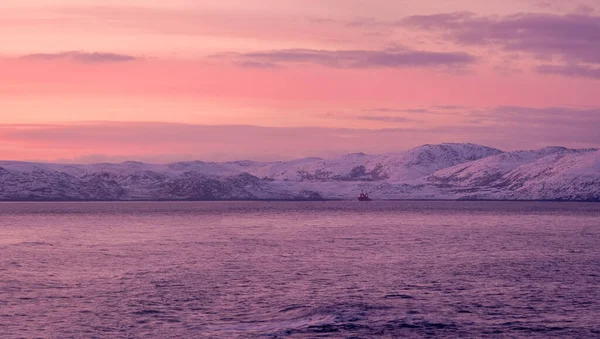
[299,270]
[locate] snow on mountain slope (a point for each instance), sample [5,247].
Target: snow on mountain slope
[408,165]
[551,173]
[489,169]
[427,159]
[571,176]
[19,166]
[396,167]
[41,184]
[446,171]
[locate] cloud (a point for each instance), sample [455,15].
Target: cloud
[257,64]
[82,57]
[571,39]
[384,110]
[365,22]
[581,71]
[550,118]
[451,107]
[567,112]
[384,118]
[141,141]
[382,115]
[397,110]
[388,58]
[581,6]
[508,127]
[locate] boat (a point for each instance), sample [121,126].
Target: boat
[363,197]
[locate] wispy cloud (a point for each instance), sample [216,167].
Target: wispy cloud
[451,107]
[508,127]
[82,57]
[580,6]
[550,118]
[257,64]
[397,111]
[387,58]
[572,39]
[385,118]
[381,115]
[367,22]
[218,143]
[581,71]
[384,110]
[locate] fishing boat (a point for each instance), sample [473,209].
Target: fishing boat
[363,197]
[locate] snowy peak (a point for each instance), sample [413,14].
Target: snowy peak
[444,171]
[463,151]
[491,168]
[404,166]
[430,158]
[571,175]
[549,173]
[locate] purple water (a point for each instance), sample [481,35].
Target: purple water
[299,270]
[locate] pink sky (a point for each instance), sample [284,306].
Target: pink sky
[91,80]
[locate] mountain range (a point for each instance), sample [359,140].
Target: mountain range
[450,171]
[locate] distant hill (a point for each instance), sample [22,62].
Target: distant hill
[445,171]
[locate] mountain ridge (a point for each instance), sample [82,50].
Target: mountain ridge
[451,171]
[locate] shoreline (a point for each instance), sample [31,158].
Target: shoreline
[289,200]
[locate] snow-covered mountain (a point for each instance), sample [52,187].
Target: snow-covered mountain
[445,171]
[551,173]
[396,167]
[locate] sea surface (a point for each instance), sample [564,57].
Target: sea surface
[299,270]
